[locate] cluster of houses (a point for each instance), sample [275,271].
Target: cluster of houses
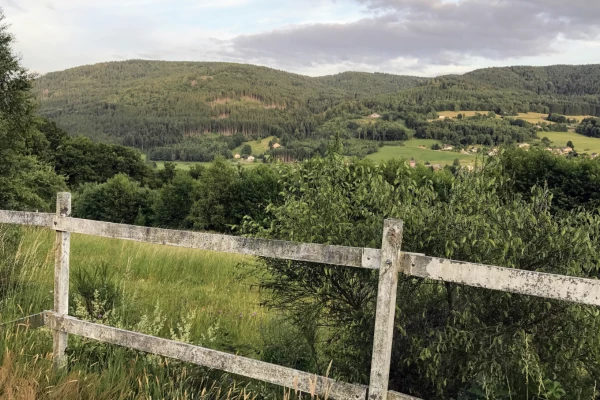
[560,150]
[249,158]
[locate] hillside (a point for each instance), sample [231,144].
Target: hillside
[569,80]
[151,103]
[147,104]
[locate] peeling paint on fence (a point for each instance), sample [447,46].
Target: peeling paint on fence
[26,218]
[309,252]
[271,373]
[559,287]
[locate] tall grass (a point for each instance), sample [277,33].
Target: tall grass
[182,294]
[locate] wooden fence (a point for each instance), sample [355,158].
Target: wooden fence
[389,260]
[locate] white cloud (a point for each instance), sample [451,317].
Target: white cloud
[424,37]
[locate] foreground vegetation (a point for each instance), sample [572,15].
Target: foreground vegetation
[193,296]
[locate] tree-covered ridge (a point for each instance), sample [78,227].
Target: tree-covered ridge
[570,80]
[152,103]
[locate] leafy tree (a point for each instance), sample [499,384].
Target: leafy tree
[120,199]
[26,182]
[573,182]
[546,142]
[174,202]
[167,173]
[246,150]
[570,144]
[450,340]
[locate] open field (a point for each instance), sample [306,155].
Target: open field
[259,146]
[535,118]
[531,117]
[583,144]
[411,150]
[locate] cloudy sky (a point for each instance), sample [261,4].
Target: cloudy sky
[313,37]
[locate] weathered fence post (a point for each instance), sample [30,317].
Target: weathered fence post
[61,278]
[386,309]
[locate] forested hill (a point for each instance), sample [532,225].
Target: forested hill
[566,80]
[152,103]
[146,104]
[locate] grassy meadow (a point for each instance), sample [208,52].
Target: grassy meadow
[583,144]
[534,118]
[259,146]
[412,149]
[199,297]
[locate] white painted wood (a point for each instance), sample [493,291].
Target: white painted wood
[309,252]
[296,380]
[559,287]
[61,277]
[26,218]
[391,261]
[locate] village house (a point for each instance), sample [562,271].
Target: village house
[436,167]
[412,163]
[441,117]
[447,147]
[567,150]
[237,156]
[276,145]
[523,145]
[493,152]
[594,155]
[250,158]
[374,115]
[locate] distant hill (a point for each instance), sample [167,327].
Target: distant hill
[569,80]
[155,103]
[151,103]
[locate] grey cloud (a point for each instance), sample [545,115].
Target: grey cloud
[430,31]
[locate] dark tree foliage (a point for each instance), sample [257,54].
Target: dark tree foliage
[26,181]
[451,341]
[476,130]
[589,127]
[146,104]
[202,149]
[573,182]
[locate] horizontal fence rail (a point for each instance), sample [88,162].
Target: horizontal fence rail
[260,370]
[540,284]
[390,261]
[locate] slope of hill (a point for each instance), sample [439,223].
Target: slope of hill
[150,103]
[569,80]
[146,104]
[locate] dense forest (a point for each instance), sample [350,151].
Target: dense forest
[151,104]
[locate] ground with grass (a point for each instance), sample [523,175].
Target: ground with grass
[259,146]
[583,144]
[200,297]
[534,118]
[420,150]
